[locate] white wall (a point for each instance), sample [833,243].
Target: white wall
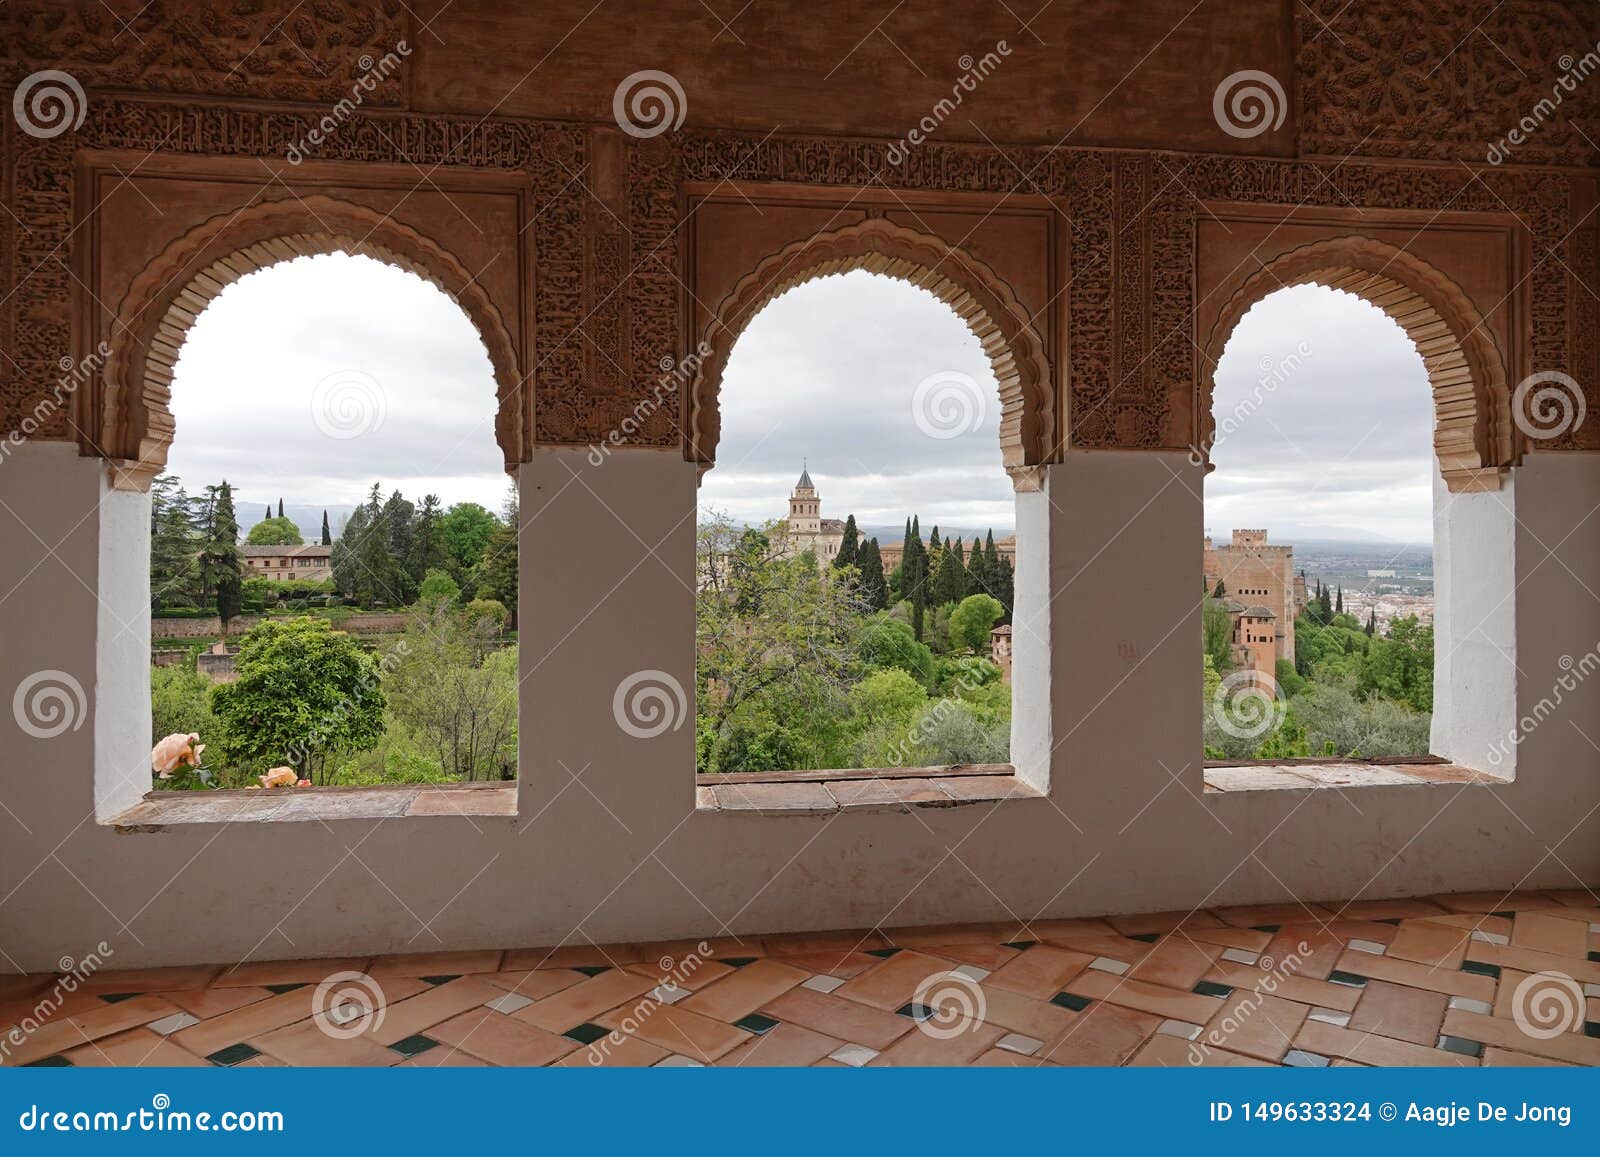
[622,855]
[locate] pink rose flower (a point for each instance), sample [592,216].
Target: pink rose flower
[279,777]
[175,751]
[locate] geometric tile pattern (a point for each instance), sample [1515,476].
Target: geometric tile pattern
[1452,980]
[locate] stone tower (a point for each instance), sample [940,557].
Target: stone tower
[805,508]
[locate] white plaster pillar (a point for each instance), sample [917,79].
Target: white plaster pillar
[1475,549]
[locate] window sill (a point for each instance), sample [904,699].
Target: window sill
[1298,775]
[802,793]
[163,810]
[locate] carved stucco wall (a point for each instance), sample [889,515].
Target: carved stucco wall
[607,271]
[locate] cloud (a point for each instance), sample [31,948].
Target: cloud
[1336,427]
[417,379]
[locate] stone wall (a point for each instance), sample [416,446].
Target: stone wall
[211,627]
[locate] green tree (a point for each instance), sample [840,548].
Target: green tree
[174,568]
[327,536]
[1217,631]
[979,578]
[883,642]
[345,558]
[972,620]
[378,574]
[436,586]
[465,530]
[773,640]
[427,541]
[274,532]
[497,569]
[871,588]
[914,575]
[849,545]
[950,583]
[399,521]
[219,553]
[1400,666]
[456,691]
[304,692]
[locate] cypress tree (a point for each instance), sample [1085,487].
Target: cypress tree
[873,590]
[280,508]
[914,575]
[1339,607]
[1372,622]
[1005,584]
[1221,592]
[950,582]
[224,557]
[268,514]
[848,548]
[327,538]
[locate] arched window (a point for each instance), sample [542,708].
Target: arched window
[1320,593]
[857,551]
[333,542]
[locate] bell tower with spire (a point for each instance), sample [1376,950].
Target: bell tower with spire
[805,508]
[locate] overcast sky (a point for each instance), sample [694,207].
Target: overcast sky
[1331,423]
[311,379]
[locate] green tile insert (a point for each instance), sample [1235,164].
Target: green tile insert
[586,1033]
[1071,1000]
[232,1055]
[413,1045]
[756,1023]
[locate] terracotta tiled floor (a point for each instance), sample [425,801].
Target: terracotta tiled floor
[1438,981]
